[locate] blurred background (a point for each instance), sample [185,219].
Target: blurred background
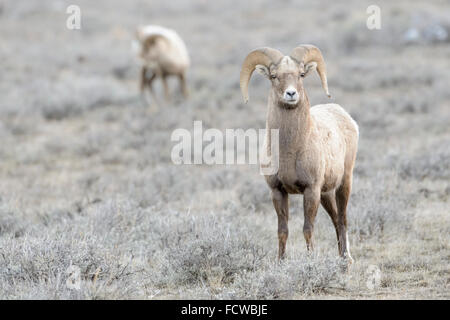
[86,178]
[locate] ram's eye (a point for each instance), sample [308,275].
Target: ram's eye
[302,75]
[272,76]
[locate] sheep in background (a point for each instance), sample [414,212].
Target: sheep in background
[163,54]
[317,146]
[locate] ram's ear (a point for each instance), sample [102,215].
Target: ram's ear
[262,70]
[310,67]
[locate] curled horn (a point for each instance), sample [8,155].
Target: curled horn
[306,53]
[150,41]
[263,56]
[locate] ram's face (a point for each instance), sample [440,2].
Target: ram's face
[287,80]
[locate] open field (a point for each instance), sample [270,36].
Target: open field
[86,177]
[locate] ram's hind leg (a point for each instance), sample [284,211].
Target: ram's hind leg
[281,203]
[328,201]
[342,197]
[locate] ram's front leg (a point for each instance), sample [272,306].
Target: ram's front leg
[143,80]
[311,200]
[183,85]
[166,87]
[281,203]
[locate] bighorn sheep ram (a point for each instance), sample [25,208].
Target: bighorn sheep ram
[317,146]
[164,54]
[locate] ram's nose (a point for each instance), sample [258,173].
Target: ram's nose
[290,94]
